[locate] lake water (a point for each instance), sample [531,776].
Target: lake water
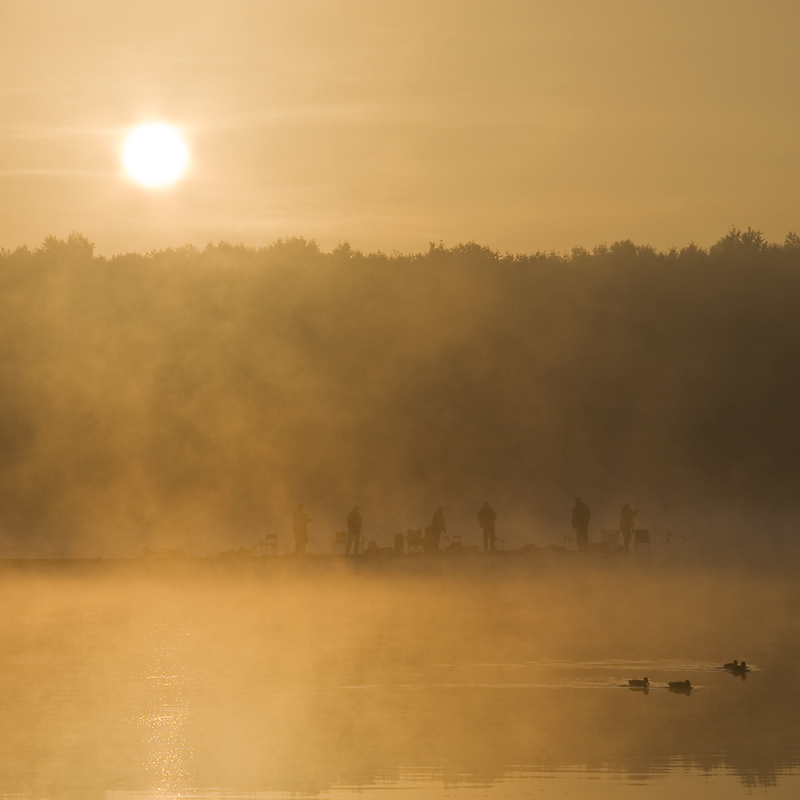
[199,679]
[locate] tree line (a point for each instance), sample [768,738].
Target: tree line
[210,390]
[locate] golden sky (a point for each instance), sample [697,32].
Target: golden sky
[521,124]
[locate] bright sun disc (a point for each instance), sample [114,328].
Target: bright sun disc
[155,154]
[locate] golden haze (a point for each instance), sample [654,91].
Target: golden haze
[518,124]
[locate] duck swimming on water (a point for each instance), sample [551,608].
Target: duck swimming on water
[640,684]
[737,668]
[683,687]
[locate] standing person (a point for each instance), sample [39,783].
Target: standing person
[626,519]
[435,531]
[354,523]
[486,518]
[580,521]
[300,522]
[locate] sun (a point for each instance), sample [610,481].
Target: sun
[155,154]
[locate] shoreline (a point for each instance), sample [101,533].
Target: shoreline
[445,564]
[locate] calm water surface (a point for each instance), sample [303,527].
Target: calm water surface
[200,680]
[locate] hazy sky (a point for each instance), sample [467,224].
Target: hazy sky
[521,124]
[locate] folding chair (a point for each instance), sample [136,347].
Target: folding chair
[340,540]
[415,540]
[641,536]
[271,540]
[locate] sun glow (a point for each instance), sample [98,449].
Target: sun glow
[155,154]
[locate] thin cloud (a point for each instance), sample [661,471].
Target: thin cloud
[58,173]
[60,132]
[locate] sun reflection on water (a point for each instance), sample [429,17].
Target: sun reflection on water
[166,708]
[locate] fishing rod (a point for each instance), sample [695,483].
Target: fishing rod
[567,539]
[685,539]
[641,483]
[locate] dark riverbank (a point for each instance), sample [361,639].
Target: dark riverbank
[468,562]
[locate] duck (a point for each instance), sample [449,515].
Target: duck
[680,686]
[639,684]
[740,669]
[731,665]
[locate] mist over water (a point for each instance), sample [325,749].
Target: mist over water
[173,419]
[187,400]
[268,677]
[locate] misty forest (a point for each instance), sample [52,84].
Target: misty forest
[192,397]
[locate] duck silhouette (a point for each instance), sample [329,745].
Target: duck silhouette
[731,665]
[681,687]
[740,669]
[639,684]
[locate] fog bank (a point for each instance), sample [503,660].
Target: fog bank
[191,398]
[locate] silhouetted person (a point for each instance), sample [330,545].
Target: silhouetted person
[486,518]
[354,524]
[300,522]
[580,521]
[435,531]
[626,521]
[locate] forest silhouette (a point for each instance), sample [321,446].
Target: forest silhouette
[200,394]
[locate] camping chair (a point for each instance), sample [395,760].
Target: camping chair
[415,540]
[271,540]
[340,540]
[641,536]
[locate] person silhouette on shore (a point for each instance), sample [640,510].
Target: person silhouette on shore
[580,521]
[435,531]
[300,522]
[486,519]
[354,523]
[626,522]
